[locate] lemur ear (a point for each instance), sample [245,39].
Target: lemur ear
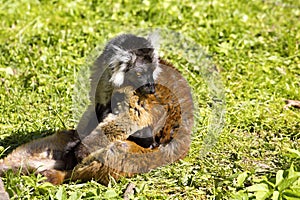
[120,56]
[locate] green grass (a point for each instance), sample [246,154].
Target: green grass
[254,44]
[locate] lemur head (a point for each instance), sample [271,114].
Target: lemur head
[134,62]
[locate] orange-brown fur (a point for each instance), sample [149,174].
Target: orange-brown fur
[169,112]
[126,158]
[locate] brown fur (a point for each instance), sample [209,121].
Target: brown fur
[110,154]
[126,158]
[44,155]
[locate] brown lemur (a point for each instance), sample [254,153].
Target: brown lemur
[171,110]
[139,119]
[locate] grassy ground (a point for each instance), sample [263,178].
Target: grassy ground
[254,44]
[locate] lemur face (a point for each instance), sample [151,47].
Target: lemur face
[135,65]
[141,72]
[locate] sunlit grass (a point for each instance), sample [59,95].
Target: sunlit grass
[254,44]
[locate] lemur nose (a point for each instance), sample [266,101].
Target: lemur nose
[151,88]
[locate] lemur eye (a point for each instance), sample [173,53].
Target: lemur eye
[139,74]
